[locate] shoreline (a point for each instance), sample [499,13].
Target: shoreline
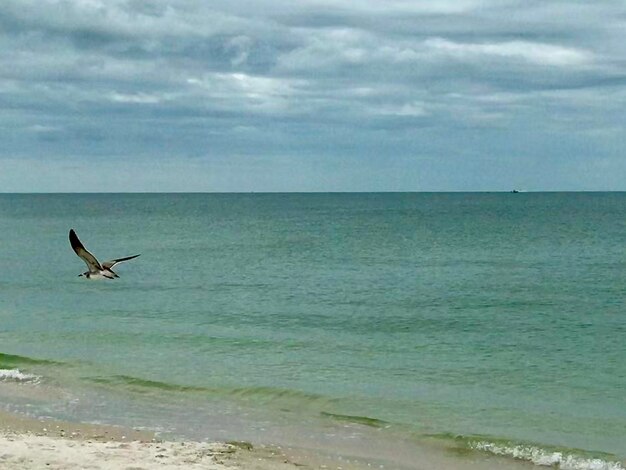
[28,442]
[31,443]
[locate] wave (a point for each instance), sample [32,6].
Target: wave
[7,360]
[364,420]
[15,375]
[537,454]
[141,385]
[278,394]
[563,460]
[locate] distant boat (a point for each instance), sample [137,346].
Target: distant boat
[515,191]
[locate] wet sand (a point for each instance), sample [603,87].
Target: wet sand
[27,443]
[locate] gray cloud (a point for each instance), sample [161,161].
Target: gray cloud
[363,95]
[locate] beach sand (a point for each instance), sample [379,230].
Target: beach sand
[27,443]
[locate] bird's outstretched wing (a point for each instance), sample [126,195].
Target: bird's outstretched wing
[110,264]
[89,259]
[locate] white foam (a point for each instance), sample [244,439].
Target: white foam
[15,375]
[547,458]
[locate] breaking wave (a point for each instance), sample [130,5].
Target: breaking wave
[15,375]
[560,458]
[563,460]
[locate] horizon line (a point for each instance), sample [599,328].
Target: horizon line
[513,191]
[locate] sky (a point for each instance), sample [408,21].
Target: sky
[312,95]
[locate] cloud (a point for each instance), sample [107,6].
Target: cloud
[414,109]
[356,80]
[135,98]
[532,53]
[110,20]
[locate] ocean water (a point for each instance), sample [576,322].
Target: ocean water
[483,325]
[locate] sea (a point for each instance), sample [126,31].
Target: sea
[471,329]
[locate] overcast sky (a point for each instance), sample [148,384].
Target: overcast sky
[312,95]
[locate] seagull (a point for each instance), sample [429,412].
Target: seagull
[96,270]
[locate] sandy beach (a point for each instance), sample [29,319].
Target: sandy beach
[27,443]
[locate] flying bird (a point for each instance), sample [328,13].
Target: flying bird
[96,270]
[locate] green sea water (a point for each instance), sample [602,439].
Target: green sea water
[491,322]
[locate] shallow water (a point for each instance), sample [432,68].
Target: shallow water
[498,318]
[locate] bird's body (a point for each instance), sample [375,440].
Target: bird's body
[95,269]
[99,275]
